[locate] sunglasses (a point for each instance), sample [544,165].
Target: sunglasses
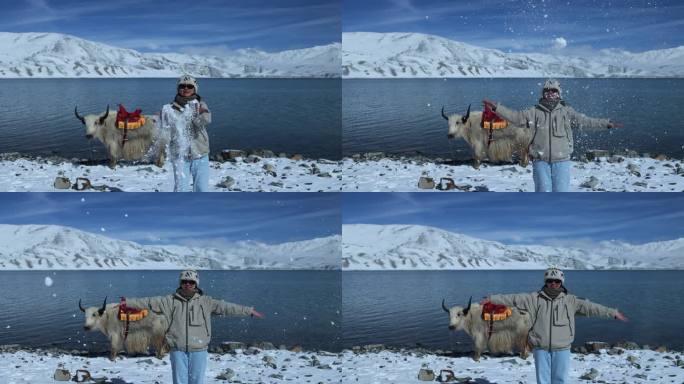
[187,282]
[186,86]
[554,281]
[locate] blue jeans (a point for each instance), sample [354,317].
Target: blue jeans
[553,177]
[551,367]
[185,169]
[188,367]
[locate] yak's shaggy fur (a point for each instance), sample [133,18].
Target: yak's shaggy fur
[505,142]
[141,141]
[142,335]
[507,336]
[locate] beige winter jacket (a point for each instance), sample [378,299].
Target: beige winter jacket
[553,321]
[552,129]
[189,320]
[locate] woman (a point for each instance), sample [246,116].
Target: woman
[552,143]
[552,312]
[189,312]
[190,153]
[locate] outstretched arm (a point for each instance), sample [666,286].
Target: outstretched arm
[581,120]
[220,307]
[520,118]
[157,304]
[520,300]
[587,308]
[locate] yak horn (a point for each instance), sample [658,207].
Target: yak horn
[444,307]
[102,119]
[80,306]
[465,311]
[465,118]
[101,310]
[78,116]
[444,115]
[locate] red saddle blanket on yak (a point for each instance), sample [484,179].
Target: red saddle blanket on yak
[490,120]
[129,120]
[495,312]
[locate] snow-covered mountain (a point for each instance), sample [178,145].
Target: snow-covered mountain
[415,55]
[39,55]
[41,247]
[415,247]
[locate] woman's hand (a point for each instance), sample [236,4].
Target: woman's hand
[620,316]
[614,124]
[254,313]
[490,103]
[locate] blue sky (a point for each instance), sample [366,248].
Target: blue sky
[202,27]
[204,219]
[577,219]
[572,26]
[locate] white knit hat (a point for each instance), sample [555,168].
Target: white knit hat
[187,79]
[554,273]
[190,274]
[552,84]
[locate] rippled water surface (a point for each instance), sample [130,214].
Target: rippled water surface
[404,308]
[301,307]
[403,115]
[284,115]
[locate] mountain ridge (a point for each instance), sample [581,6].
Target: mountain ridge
[417,55]
[55,55]
[53,247]
[416,247]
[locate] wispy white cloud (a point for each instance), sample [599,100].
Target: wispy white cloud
[41,12]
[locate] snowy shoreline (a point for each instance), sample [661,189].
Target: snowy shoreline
[253,173]
[377,172]
[607,365]
[370,172]
[369,364]
[249,365]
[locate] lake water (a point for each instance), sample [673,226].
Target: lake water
[301,307]
[402,116]
[284,115]
[404,308]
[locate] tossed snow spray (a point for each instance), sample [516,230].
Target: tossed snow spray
[175,130]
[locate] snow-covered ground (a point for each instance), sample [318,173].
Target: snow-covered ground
[634,174]
[304,367]
[399,368]
[630,366]
[615,174]
[267,174]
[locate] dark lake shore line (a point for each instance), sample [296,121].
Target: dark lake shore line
[230,155]
[231,347]
[102,349]
[589,155]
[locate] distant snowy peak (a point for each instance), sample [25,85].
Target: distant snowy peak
[43,247]
[47,55]
[416,55]
[415,247]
